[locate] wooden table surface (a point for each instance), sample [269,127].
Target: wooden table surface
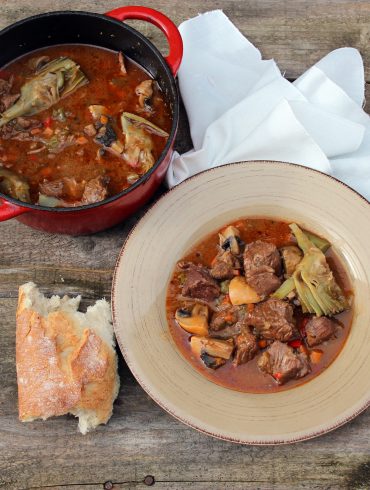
[141,439]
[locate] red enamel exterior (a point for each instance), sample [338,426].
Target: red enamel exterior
[97,217]
[165,25]
[92,220]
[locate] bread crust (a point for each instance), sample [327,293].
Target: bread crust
[62,368]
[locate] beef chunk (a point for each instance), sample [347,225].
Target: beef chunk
[319,329]
[224,266]
[199,283]
[19,128]
[261,257]
[5,86]
[282,363]
[227,315]
[246,347]
[227,332]
[53,188]
[95,190]
[27,123]
[227,322]
[65,187]
[264,283]
[6,98]
[262,264]
[273,319]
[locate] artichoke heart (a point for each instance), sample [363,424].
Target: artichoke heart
[54,81]
[314,282]
[138,142]
[13,185]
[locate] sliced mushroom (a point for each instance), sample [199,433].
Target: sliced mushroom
[212,362]
[106,136]
[212,347]
[13,185]
[201,310]
[194,321]
[117,146]
[196,344]
[241,293]
[145,92]
[230,231]
[219,348]
[229,239]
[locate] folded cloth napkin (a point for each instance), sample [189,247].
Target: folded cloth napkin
[240,107]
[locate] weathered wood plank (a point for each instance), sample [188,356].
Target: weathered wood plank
[184,485]
[141,439]
[296,33]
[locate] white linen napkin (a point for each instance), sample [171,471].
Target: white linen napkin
[240,107]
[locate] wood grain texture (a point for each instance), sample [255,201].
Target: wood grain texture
[141,439]
[296,33]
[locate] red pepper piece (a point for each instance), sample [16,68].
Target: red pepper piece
[295,343]
[48,122]
[277,375]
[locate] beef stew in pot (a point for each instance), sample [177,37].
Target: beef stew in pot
[78,124]
[260,306]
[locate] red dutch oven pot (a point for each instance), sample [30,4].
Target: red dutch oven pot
[106,31]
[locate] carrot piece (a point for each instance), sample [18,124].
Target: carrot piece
[262,343]
[48,131]
[250,307]
[35,131]
[295,343]
[315,356]
[103,119]
[214,260]
[81,140]
[46,172]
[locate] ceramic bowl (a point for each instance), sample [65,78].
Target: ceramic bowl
[184,216]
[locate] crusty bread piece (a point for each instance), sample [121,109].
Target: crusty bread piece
[66,361]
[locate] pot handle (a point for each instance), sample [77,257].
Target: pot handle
[9,210]
[160,20]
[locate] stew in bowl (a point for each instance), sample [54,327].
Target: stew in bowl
[176,248]
[260,305]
